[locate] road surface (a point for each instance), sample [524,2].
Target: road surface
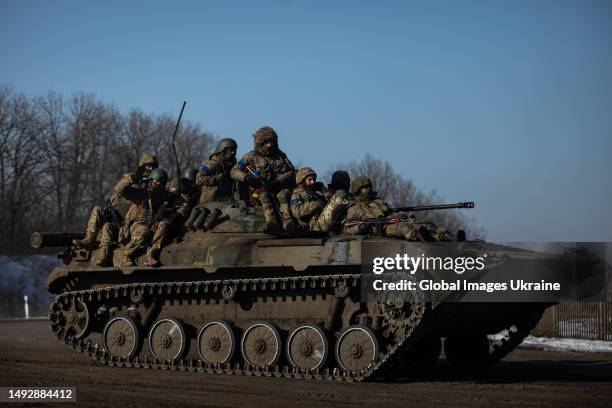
[31,356]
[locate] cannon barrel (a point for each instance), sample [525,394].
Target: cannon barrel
[467,204]
[53,239]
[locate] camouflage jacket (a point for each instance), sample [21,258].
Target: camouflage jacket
[307,203]
[127,178]
[277,168]
[143,205]
[362,210]
[187,199]
[116,202]
[215,179]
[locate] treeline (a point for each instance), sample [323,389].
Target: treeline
[60,156]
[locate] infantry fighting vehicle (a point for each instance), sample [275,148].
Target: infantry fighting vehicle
[237,300]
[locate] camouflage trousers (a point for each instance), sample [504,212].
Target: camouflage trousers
[413,230]
[101,228]
[141,235]
[270,200]
[333,213]
[276,204]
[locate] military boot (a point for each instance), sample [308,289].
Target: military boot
[442,235]
[271,220]
[104,258]
[89,242]
[127,260]
[153,257]
[424,234]
[288,222]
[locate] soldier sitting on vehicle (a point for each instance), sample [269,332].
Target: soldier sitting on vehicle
[104,221]
[188,197]
[340,180]
[215,176]
[142,223]
[270,176]
[310,206]
[368,214]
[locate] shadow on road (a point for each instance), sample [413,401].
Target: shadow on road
[507,372]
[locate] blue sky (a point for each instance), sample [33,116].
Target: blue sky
[505,103]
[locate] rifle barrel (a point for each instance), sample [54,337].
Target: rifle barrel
[467,204]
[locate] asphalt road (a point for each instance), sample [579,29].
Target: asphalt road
[31,356]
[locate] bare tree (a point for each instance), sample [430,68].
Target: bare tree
[150,134]
[20,165]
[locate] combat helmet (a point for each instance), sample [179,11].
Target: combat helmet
[148,159]
[265,134]
[360,182]
[226,143]
[303,173]
[190,174]
[159,174]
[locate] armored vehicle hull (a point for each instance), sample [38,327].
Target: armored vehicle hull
[235,300]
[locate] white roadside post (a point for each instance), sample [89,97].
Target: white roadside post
[27,309]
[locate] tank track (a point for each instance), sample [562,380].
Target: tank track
[510,338]
[413,327]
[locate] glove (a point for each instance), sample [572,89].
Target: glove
[252,181]
[365,228]
[318,186]
[270,185]
[134,178]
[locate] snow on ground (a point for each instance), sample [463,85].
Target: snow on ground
[546,343]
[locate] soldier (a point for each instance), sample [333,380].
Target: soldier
[215,174]
[141,224]
[104,221]
[269,174]
[367,215]
[189,194]
[340,180]
[310,207]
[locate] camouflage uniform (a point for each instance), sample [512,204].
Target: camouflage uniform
[310,205]
[141,225]
[215,174]
[369,207]
[271,175]
[102,226]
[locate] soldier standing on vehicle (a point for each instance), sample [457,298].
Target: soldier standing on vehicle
[369,214]
[215,176]
[270,176]
[104,221]
[310,206]
[142,225]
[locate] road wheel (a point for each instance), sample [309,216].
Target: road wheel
[121,337]
[261,345]
[216,342]
[307,347]
[167,339]
[356,348]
